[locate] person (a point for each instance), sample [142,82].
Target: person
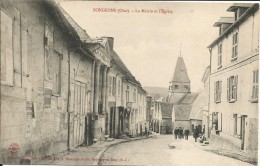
[180,133]
[176,132]
[146,133]
[196,133]
[186,132]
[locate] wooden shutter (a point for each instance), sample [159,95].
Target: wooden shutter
[228,90]
[236,85]
[219,121]
[24,50]
[210,120]
[215,83]
[220,88]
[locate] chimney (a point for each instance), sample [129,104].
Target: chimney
[110,42]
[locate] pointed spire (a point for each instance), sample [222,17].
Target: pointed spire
[180,49]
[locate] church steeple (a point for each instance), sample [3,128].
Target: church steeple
[180,81]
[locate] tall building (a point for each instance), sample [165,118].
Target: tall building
[234,73]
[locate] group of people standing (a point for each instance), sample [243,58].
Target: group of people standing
[178,133]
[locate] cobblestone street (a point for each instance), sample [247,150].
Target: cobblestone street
[155,151]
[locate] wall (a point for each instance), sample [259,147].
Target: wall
[166,126]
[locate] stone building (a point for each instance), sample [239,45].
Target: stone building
[156,118]
[45,93]
[234,80]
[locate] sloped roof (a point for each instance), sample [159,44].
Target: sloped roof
[180,73]
[182,112]
[182,98]
[81,33]
[189,98]
[166,109]
[234,7]
[227,20]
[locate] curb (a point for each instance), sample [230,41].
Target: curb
[99,155]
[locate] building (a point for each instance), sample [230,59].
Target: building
[199,115]
[156,118]
[180,96]
[45,93]
[234,73]
[166,124]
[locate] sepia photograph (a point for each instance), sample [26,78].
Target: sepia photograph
[145,83]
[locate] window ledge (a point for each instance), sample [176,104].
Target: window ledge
[253,100]
[56,95]
[220,66]
[233,59]
[237,136]
[232,100]
[217,102]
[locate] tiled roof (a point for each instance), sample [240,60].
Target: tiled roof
[180,73]
[182,98]
[166,109]
[228,20]
[182,112]
[81,33]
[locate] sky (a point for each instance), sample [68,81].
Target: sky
[149,43]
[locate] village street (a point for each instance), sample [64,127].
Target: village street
[155,151]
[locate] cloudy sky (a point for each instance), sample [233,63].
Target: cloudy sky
[149,43]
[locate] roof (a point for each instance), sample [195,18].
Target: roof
[222,20]
[235,6]
[237,23]
[180,73]
[206,74]
[182,98]
[166,109]
[182,112]
[81,33]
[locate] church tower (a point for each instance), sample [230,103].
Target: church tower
[180,82]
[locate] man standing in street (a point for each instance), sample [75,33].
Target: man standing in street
[186,132]
[176,132]
[196,133]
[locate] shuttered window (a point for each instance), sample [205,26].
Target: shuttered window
[114,86]
[234,45]
[119,88]
[110,86]
[6,48]
[219,54]
[217,91]
[237,124]
[255,86]
[232,83]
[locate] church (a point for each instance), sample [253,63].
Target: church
[179,100]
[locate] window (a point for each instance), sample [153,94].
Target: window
[48,45]
[232,88]
[134,96]
[114,86]
[110,86]
[176,86]
[119,88]
[237,125]
[169,87]
[219,55]
[127,95]
[234,46]
[186,86]
[217,91]
[254,96]
[56,69]
[6,49]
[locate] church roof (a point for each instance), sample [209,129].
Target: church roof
[166,109]
[182,98]
[180,73]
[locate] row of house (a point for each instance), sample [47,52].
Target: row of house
[60,88]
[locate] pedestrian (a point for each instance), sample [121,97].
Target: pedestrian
[186,132]
[180,133]
[196,133]
[176,132]
[146,131]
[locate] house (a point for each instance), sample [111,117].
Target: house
[166,125]
[45,80]
[156,118]
[234,74]
[199,112]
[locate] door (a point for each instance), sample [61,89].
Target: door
[243,131]
[80,110]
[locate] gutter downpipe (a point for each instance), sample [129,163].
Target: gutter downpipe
[210,51]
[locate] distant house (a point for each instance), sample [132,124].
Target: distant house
[181,116]
[166,125]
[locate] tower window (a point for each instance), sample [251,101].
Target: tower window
[176,86]
[186,86]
